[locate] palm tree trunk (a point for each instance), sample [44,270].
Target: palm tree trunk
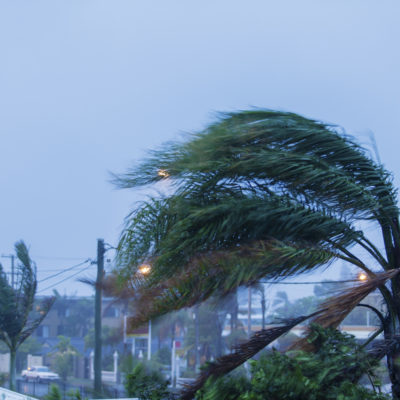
[234,311]
[263,307]
[219,329]
[391,359]
[196,338]
[249,312]
[13,354]
[394,374]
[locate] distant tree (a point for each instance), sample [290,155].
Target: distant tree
[260,288]
[147,383]
[325,289]
[18,320]
[211,317]
[64,357]
[76,315]
[289,309]
[109,337]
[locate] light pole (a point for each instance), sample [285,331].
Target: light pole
[145,269]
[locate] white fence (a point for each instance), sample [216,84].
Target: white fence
[6,394]
[106,376]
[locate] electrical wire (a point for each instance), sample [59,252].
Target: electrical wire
[64,270]
[65,279]
[57,258]
[309,283]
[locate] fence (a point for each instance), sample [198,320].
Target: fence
[37,389]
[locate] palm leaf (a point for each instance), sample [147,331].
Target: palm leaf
[241,146]
[338,307]
[218,274]
[240,355]
[173,231]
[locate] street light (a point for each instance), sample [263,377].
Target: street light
[144,269]
[362,276]
[163,173]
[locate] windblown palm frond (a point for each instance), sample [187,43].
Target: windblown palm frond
[17,321]
[240,355]
[172,231]
[279,149]
[337,308]
[17,303]
[258,194]
[217,274]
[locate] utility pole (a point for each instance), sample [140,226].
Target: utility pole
[12,266]
[97,318]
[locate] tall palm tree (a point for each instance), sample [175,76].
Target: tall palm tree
[18,320]
[262,194]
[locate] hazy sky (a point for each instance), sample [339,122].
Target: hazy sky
[87,86]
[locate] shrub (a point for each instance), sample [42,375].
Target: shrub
[147,383]
[328,373]
[54,393]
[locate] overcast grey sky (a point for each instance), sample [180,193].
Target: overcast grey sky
[87,86]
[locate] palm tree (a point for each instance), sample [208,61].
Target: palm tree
[262,194]
[17,321]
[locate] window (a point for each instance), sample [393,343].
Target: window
[43,331]
[112,312]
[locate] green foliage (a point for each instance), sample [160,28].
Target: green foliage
[126,363]
[109,336]
[329,373]
[77,315]
[63,357]
[74,395]
[54,393]
[18,320]
[230,387]
[146,383]
[287,309]
[3,378]
[30,346]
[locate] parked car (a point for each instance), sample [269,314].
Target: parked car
[39,374]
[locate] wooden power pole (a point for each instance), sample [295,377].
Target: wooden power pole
[97,318]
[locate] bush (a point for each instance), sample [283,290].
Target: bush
[54,393]
[229,387]
[329,373]
[147,383]
[74,395]
[3,378]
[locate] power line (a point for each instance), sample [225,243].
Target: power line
[308,283]
[49,270]
[64,270]
[65,279]
[57,258]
